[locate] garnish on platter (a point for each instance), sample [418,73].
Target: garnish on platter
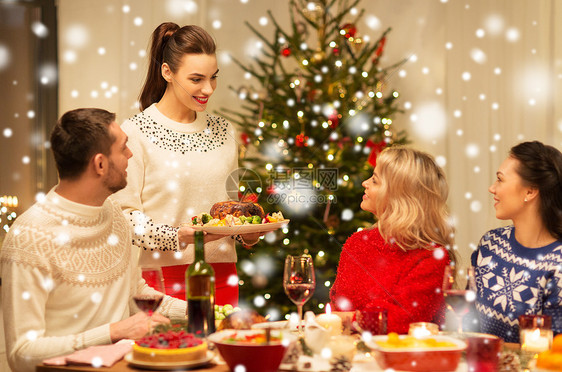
[233,217]
[242,319]
[255,338]
[222,312]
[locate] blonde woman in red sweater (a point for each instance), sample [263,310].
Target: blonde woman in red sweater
[398,263]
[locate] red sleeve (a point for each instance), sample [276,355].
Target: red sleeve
[417,296]
[344,271]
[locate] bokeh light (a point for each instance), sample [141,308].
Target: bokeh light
[430,121]
[76,36]
[5,57]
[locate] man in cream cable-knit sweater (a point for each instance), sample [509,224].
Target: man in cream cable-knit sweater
[68,268]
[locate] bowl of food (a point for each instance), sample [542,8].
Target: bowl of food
[252,349]
[408,353]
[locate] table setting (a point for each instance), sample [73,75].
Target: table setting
[332,341]
[323,350]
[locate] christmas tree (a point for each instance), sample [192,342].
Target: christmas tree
[311,129]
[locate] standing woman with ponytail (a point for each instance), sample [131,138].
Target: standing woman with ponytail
[183,157]
[519,267]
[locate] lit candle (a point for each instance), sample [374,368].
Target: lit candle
[423,329]
[536,340]
[331,322]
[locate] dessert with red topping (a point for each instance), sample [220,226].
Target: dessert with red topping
[170,346]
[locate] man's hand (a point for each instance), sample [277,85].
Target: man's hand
[136,326]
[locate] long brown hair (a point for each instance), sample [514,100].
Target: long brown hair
[540,166]
[168,45]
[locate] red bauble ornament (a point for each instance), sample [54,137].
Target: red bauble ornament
[336,51]
[245,138]
[344,141]
[313,95]
[334,119]
[286,52]
[376,148]
[348,30]
[380,50]
[301,140]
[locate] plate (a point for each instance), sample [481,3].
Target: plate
[241,229]
[279,324]
[168,366]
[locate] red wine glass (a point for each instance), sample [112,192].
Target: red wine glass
[299,281]
[458,300]
[150,300]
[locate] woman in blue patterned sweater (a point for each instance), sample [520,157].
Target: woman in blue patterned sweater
[519,267]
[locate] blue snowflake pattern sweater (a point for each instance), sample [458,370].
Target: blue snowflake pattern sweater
[513,280]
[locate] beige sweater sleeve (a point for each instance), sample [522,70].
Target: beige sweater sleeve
[147,234]
[24,302]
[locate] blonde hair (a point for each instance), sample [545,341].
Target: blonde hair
[411,202]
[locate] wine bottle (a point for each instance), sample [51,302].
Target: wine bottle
[200,292]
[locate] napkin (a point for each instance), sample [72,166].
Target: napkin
[97,356]
[315,336]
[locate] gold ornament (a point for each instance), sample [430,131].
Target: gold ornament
[332,223]
[242,151]
[313,11]
[318,56]
[357,44]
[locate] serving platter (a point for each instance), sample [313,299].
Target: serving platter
[168,366]
[279,324]
[242,229]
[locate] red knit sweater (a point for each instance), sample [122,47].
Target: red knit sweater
[374,273]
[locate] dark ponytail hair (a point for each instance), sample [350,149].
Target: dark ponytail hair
[540,166]
[168,44]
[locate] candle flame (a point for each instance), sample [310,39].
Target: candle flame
[535,335]
[328,309]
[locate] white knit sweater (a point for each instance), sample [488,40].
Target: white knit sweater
[68,271]
[177,171]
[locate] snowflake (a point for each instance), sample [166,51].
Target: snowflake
[509,288]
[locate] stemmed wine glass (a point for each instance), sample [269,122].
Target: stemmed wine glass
[299,281]
[459,300]
[149,302]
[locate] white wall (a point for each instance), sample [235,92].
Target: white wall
[469,124]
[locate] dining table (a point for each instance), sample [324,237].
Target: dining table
[215,366]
